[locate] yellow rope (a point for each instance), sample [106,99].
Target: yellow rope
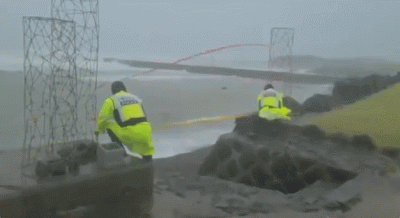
[203,120]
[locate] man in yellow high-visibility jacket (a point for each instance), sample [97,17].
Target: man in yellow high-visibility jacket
[270,104]
[122,116]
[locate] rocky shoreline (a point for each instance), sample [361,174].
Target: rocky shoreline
[349,91]
[339,175]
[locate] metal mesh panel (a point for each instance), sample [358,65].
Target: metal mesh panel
[50,84]
[85,13]
[60,73]
[280,50]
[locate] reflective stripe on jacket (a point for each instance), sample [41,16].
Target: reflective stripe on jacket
[270,98]
[137,137]
[127,109]
[270,105]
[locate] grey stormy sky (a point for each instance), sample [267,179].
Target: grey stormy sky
[341,28]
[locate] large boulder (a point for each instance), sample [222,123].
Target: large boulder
[246,125]
[258,128]
[351,90]
[295,107]
[318,103]
[395,79]
[347,91]
[288,161]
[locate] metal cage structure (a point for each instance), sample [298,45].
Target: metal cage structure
[85,14]
[49,85]
[280,50]
[60,77]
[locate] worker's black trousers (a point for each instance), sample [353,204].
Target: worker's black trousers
[115,139]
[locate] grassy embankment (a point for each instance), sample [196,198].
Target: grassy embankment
[377,116]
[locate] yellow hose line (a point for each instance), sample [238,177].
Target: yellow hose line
[203,120]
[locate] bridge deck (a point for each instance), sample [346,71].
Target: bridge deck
[247,73]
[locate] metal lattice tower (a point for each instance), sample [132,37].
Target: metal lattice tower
[280,50]
[85,14]
[60,73]
[50,84]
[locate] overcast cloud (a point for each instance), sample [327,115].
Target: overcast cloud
[178,28]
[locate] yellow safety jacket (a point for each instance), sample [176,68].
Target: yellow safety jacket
[123,114]
[271,107]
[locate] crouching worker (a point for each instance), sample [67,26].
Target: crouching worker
[123,117]
[270,104]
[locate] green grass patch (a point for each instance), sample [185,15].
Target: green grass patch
[377,116]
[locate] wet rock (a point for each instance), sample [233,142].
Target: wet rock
[232,202]
[177,186]
[348,91]
[313,132]
[293,105]
[304,161]
[269,197]
[339,175]
[271,167]
[351,90]
[193,196]
[224,150]
[394,184]
[263,155]
[262,177]
[237,146]
[391,152]
[187,213]
[310,199]
[314,192]
[209,166]
[212,185]
[314,173]
[264,128]
[232,168]
[219,188]
[246,191]
[339,138]
[160,185]
[284,169]
[334,206]
[280,165]
[351,190]
[246,180]
[247,160]
[363,142]
[246,124]
[318,103]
